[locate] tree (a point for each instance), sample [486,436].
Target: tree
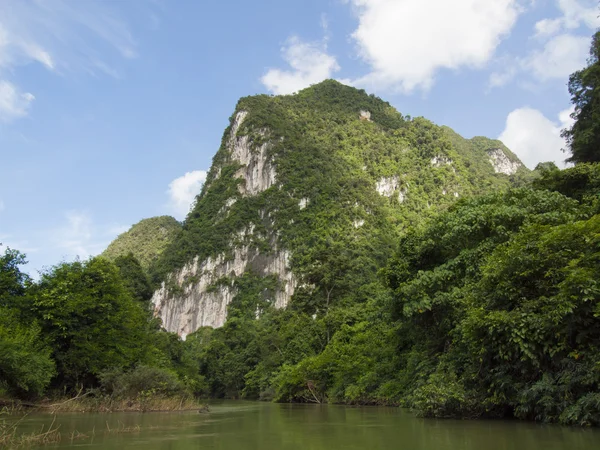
[91,319]
[134,277]
[583,138]
[12,280]
[25,364]
[26,367]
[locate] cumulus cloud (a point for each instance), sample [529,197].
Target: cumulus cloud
[574,13]
[534,137]
[309,62]
[13,103]
[561,56]
[406,43]
[560,52]
[183,190]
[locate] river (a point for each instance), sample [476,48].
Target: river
[267,426]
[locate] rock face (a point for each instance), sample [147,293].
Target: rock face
[501,162]
[198,294]
[204,289]
[257,171]
[388,186]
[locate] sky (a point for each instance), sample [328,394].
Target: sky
[111,111]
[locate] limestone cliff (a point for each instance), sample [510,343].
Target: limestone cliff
[194,295]
[307,190]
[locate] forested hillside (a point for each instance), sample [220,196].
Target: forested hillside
[347,254]
[146,240]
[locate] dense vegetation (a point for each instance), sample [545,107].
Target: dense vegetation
[86,325]
[583,138]
[481,304]
[145,240]
[324,154]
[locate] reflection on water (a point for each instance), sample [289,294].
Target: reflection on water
[266,426]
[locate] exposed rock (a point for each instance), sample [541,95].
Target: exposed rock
[501,162]
[365,115]
[402,195]
[228,204]
[359,223]
[258,172]
[201,298]
[386,186]
[303,203]
[439,161]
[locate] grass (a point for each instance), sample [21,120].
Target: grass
[10,438]
[109,404]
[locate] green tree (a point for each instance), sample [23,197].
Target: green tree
[26,367]
[91,320]
[12,280]
[583,138]
[134,277]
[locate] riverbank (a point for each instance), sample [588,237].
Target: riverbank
[104,404]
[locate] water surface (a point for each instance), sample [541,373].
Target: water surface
[267,426]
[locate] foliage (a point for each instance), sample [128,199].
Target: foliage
[501,293]
[485,306]
[581,182]
[12,281]
[25,364]
[26,367]
[325,155]
[90,318]
[134,277]
[583,138]
[146,240]
[142,381]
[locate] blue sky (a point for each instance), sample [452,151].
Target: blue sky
[111,111]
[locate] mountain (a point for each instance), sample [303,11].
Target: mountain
[146,240]
[305,201]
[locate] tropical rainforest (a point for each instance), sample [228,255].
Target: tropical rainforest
[469,293]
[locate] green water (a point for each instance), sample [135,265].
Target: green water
[266,426]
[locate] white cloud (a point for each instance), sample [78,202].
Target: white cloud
[574,13]
[561,56]
[13,103]
[183,190]
[534,137]
[80,236]
[407,42]
[547,27]
[76,237]
[577,12]
[310,64]
[560,52]
[62,36]
[504,76]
